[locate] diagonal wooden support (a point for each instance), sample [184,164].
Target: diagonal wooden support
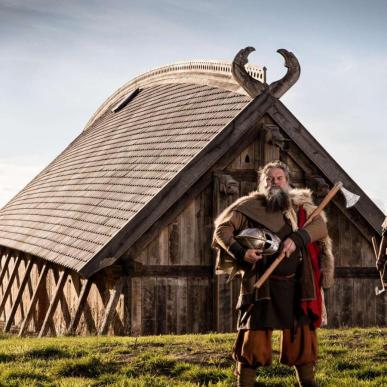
[34,299]
[110,309]
[8,289]
[89,317]
[19,296]
[63,301]
[30,290]
[82,300]
[54,302]
[5,267]
[105,294]
[3,252]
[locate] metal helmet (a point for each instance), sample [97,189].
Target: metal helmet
[259,238]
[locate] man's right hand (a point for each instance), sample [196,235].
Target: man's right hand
[253,255]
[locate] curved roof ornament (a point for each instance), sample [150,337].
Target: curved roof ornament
[253,86]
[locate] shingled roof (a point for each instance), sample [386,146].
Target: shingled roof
[132,162]
[122,160]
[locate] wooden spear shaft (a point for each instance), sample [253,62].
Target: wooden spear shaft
[324,202]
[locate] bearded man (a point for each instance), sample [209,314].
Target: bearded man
[291,299]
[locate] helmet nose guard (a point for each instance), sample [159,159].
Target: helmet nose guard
[259,238]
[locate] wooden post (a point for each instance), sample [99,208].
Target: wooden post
[113,273]
[34,299]
[8,289]
[19,296]
[111,306]
[63,301]
[54,302]
[89,318]
[3,251]
[81,304]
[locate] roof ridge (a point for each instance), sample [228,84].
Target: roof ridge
[220,66]
[211,72]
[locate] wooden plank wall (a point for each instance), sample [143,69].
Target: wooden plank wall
[176,296]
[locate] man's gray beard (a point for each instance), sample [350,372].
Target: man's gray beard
[277,200]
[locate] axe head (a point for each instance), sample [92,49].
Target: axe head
[350,198]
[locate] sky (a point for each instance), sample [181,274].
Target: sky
[60,60]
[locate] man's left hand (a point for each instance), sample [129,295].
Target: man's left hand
[288,247]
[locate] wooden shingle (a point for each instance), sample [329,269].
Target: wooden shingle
[113,169]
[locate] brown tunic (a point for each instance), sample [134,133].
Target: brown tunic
[275,305]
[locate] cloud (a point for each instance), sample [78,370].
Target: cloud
[14,176]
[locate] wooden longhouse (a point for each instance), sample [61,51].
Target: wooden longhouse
[113,237]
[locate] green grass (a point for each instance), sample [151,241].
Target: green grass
[348,357]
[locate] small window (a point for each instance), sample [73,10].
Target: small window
[125,101]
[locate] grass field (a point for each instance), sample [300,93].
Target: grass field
[348,357]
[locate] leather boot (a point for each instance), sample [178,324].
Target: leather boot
[246,376]
[305,375]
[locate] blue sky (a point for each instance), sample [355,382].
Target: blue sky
[61,59]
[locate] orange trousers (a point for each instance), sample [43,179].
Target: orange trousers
[253,348]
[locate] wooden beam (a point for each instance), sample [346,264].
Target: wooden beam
[8,289]
[3,251]
[19,295]
[34,299]
[80,306]
[63,302]
[89,318]
[111,306]
[105,293]
[356,272]
[5,267]
[54,302]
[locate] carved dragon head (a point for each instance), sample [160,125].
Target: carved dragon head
[254,87]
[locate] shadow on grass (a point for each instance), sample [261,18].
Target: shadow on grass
[47,353]
[154,365]
[6,358]
[380,356]
[24,377]
[335,351]
[159,365]
[369,374]
[85,368]
[345,365]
